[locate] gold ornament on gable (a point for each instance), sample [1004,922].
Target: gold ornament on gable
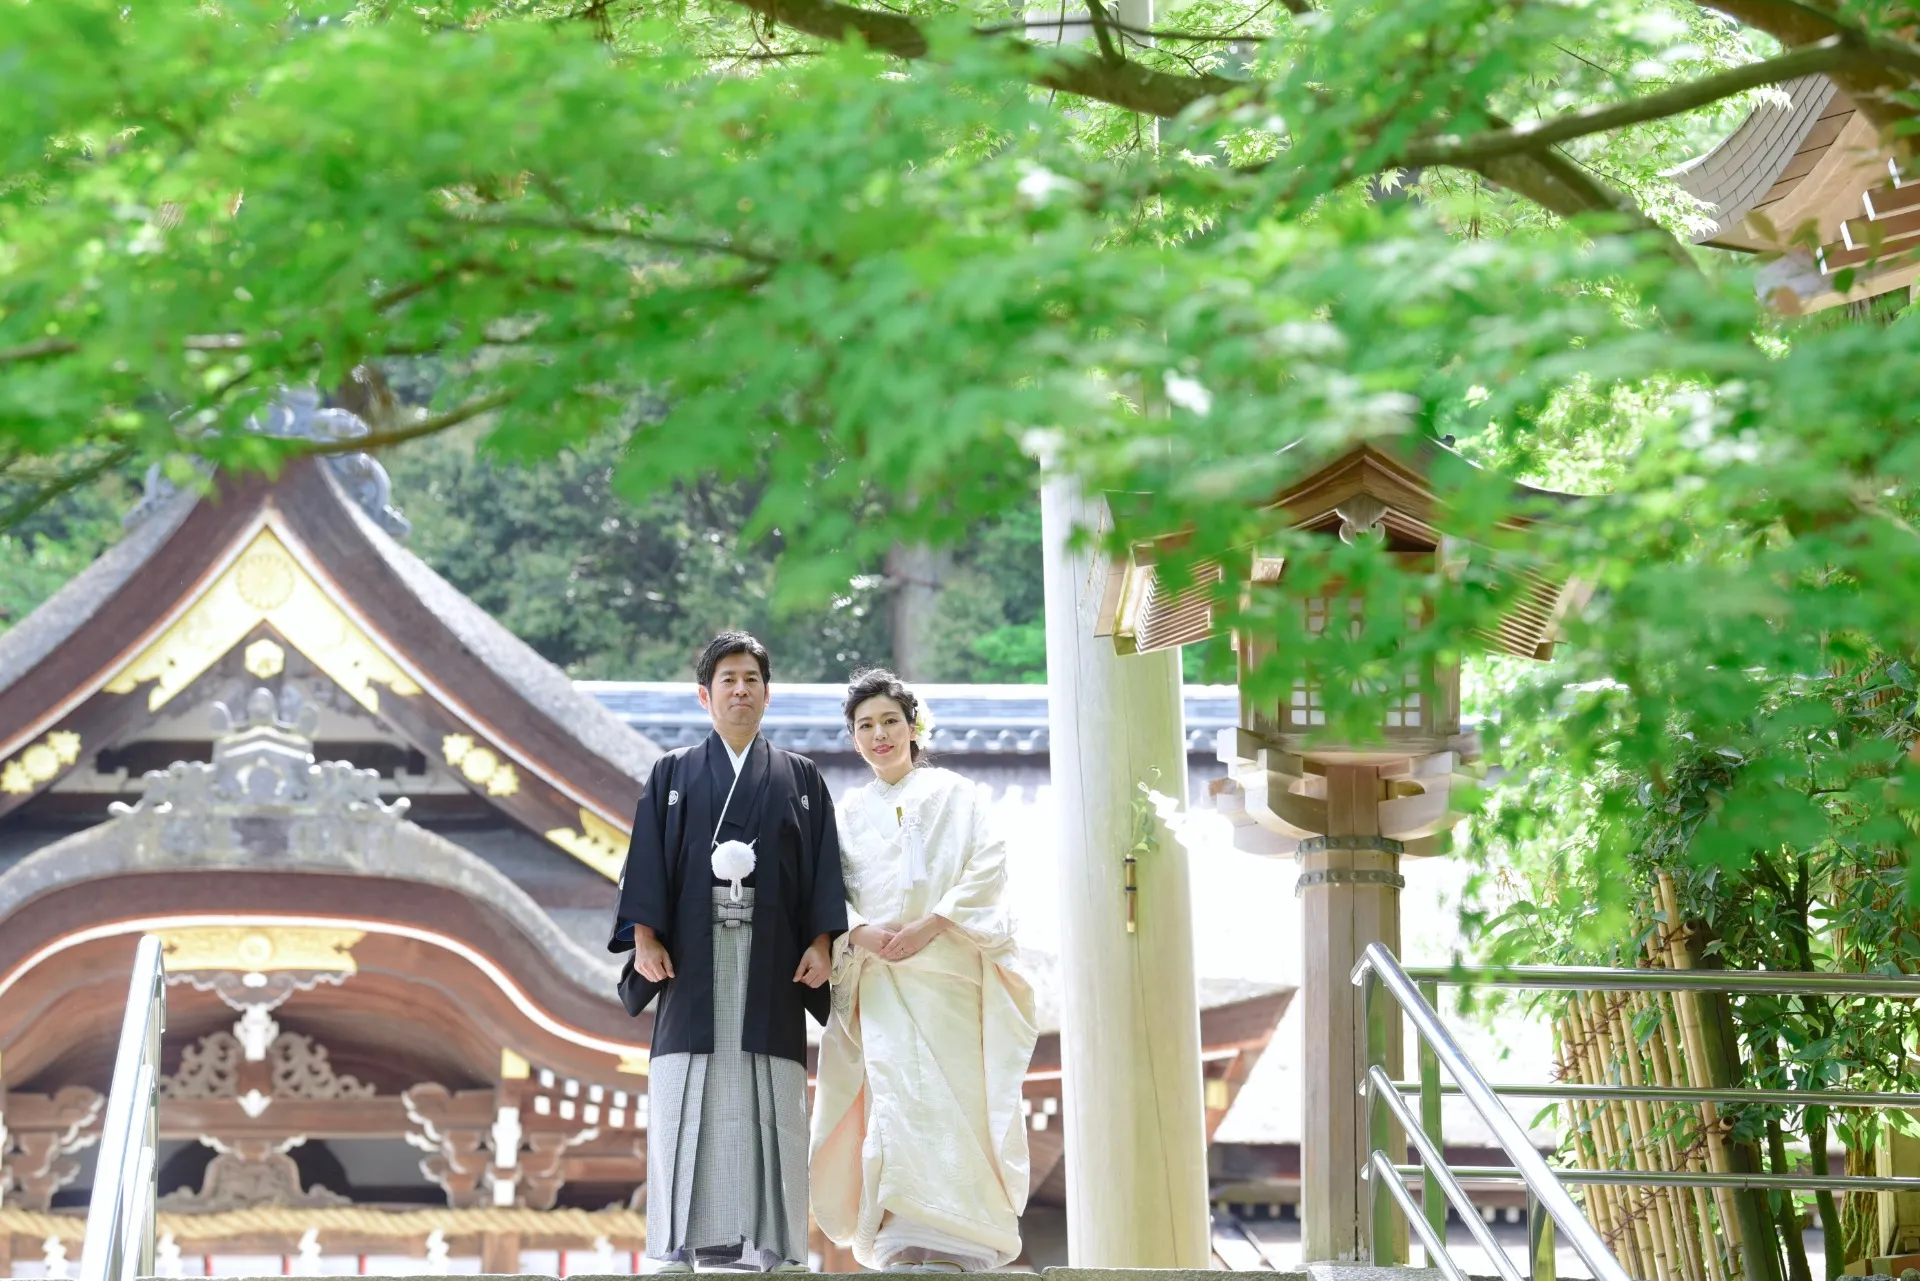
[260,949]
[40,763]
[264,584]
[480,765]
[597,843]
[265,659]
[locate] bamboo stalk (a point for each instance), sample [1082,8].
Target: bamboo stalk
[1599,1204]
[1621,1236]
[1723,1260]
[1678,1204]
[1667,1071]
[1688,1004]
[1693,1208]
[1673,1072]
[1634,1231]
[1617,1036]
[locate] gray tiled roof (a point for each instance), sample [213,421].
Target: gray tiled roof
[984,719]
[512,659]
[1737,174]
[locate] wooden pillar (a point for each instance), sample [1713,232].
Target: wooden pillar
[1130,1020]
[1350,889]
[500,1253]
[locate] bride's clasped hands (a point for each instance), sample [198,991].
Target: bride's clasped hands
[899,942]
[920,1159]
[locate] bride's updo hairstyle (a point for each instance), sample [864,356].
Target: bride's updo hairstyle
[878,682]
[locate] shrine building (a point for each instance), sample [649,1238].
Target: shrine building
[377,835]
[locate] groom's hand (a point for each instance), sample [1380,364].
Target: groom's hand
[815,964]
[650,956]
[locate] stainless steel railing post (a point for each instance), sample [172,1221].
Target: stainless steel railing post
[1551,1211]
[120,1216]
[1382,1245]
[1379,963]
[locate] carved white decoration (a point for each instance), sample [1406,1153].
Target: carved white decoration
[254,1103]
[506,1137]
[243,991]
[255,1031]
[602,1255]
[437,1252]
[166,1257]
[307,1262]
[53,1254]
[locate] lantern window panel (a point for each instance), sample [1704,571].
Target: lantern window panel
[1409,711]
[1305,707]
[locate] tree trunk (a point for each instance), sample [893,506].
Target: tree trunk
[1759,1242]
[1787,1209]
[915,574]
[1829,1208]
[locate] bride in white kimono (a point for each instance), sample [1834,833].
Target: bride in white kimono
[919,1143]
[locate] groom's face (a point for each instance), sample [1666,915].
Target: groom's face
[738,697]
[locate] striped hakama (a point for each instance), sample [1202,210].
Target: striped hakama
[727,1131]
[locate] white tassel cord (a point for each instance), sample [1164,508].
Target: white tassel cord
[733,861]
[914,837]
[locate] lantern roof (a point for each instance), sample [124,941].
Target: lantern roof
[1374,489]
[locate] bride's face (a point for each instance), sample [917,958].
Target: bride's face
[884,737]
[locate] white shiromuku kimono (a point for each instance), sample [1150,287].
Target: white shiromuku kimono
[919,1143]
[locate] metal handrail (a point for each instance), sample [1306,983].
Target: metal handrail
[1598,978]
[126,1186]
[1379,969]
[1415,990]
[1688,1094]
[1432,1159]
[1695,1179]
[1382,1170]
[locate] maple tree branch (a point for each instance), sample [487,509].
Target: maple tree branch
[599,231]
[1452,149]
[40,349]
[1868,81]
[1060,24]
[1109,52]
[1124,84]
[18,511]
[1538,173]
[413,431]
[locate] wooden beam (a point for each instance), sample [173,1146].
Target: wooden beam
[380,1117]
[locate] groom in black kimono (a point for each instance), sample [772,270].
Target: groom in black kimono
[736,968]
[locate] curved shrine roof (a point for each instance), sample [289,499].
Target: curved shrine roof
[296,565]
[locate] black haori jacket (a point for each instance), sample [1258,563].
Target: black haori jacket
[782,806]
